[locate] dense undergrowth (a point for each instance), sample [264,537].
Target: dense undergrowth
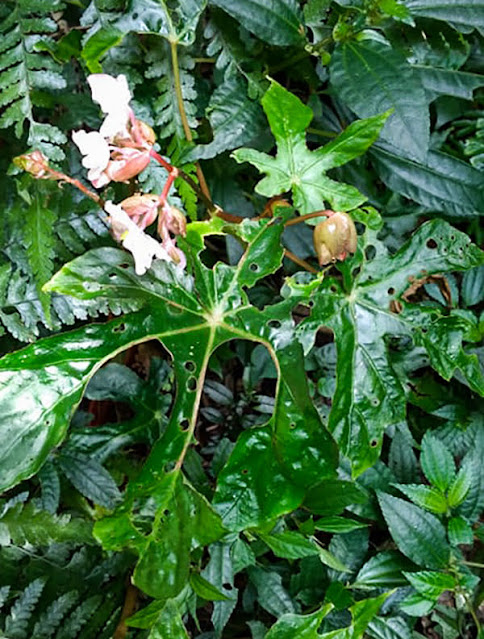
[254,429]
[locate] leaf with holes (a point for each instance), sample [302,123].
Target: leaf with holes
[271,467]
[369,395]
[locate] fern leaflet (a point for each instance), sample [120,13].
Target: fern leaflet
[24,70]
[17,623]
[167,114]
[24,524]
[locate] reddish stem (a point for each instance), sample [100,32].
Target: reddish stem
[66,178]
[308,216]
[156,156]
[166,189]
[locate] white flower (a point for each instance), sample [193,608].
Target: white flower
[143,247]
[113,95]
[96,154]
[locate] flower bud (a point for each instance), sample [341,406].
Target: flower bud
[142,209]
[34,163]
[176,222]
[144,132]
[334,238]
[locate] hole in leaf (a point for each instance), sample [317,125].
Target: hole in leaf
[245,471]
[311,303]
[431,244]
[375,402]
[184,425]
[391,290]
[356,272]
[333,289]
[124,265]
[166,512]
[190,366]
[91,286]
[292,426]
[374,443]
[254,267]
[370,252]
[274,324]
[192,384]
[227,586]
[112,276]
[120,328]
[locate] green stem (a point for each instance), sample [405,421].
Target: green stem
[474,564]
[322,133]
[183,116]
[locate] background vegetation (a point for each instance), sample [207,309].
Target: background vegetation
[254,447]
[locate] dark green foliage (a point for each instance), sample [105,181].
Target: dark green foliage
[251,444]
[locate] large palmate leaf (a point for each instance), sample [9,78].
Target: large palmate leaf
[369,396]
[295,168]
[271,467]
[371,77]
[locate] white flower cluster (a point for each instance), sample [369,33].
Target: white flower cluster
[121,148]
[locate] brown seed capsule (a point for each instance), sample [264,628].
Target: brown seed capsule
[334,238]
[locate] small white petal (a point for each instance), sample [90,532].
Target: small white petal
[143,247]
[115,125]
[112,94]
[94,148]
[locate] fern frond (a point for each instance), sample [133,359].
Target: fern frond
[24,524]
[166,111]
[52,617]
[17,622]
[50,487]
[227,47]
[39,240]
[30,249]
[185,191]
[79,617]
[20,309]
[25,70]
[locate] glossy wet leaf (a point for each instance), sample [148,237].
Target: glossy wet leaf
[272,466]
[369,395]
[301,626]
[297,169]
